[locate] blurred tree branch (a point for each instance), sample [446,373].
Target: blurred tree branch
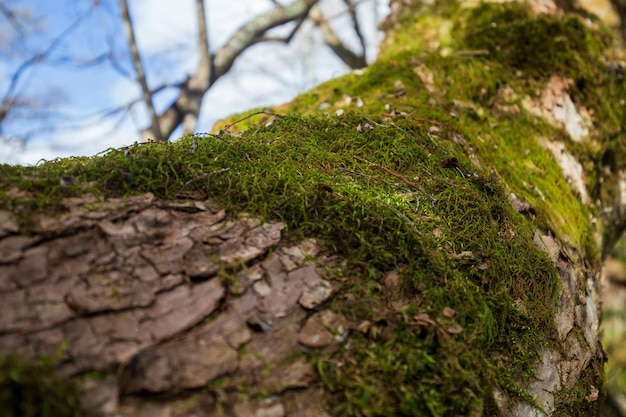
[349,57]
[141,75]
[186,107]
[11,99]
[189,90]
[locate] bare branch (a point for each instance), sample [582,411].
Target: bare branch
[251,31]
[349,57]
[141,76]
[282,39]
[200,82]
[9,96]
[72,62]
[13,19]
[186,107]
[357,27]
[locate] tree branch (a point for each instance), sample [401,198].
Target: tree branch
[9,95]
[141,76]
[349,57]
[357,27]
[249,32]
[13,19]
[201,81]
[186,107]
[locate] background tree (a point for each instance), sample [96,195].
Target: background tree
[172,98]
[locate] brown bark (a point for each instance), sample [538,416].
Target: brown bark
[141,311]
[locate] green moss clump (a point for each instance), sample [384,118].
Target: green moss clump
[539,45]
[524,50]
[30,389]
[387,196]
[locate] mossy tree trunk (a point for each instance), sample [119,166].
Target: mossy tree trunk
[432,230]
[537,92]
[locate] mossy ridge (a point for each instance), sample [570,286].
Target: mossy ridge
[369,195]
[577,51]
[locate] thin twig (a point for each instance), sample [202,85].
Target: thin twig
[39,57]
[141,75]
[410,183]
[206,174]
[250,115]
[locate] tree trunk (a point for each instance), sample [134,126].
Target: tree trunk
[430,247]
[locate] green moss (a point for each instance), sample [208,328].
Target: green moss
[524,50]
[30,389]
[538,45]
[574,401]
[376,196]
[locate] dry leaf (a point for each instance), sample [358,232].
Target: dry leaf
[449,312]
[442,336]
[423,320]
[593,396]
[438,232]
[399,88]
[364,326]
[455,329]
[391,280]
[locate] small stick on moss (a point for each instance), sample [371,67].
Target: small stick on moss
[206,174]
[475,52]
[410,183]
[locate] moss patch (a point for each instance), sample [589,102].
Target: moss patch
[33,390]
[388,196]
[472,55]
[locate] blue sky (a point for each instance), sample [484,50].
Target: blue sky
[72,96]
